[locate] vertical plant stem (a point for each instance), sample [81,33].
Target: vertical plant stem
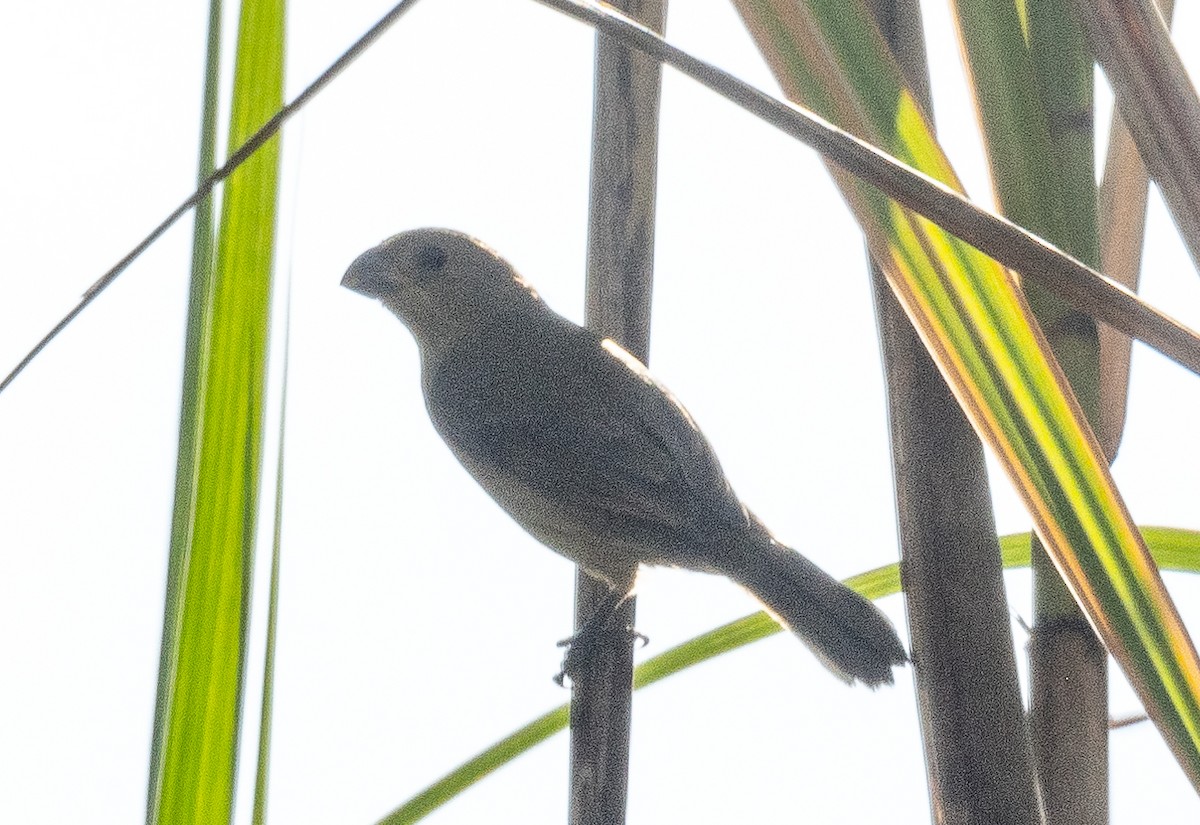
[1121,214]
[619,279]
[1033,88]
[1130,40]
[266,707]
[1068,664]
[977,751]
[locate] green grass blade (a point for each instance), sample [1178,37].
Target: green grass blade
[262,772]
[987,345]
[1171,548]
[1032,82]
[470,772]
[1083,287]
[194,357]
[202,709]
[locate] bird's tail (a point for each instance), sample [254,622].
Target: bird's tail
[846,631]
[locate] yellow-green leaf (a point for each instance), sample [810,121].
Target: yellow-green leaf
[975,321]
[194,757]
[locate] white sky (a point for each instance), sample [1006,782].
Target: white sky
[418,623]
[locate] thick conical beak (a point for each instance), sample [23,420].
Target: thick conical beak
[366,275]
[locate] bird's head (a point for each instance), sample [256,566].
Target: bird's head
[442,284]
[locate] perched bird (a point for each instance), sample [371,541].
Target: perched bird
[571,435]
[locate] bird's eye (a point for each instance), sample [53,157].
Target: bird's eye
[430,259]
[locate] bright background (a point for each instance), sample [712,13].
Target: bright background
[417,622]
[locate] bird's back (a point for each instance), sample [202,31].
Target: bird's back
[574,439]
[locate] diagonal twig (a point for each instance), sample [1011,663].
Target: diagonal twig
[265,133]
[1015,247]
[1011,245]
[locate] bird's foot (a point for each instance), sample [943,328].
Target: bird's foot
[586,645]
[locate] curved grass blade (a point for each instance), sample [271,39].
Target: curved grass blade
[1171,548]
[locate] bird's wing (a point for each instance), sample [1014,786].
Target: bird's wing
[561,427]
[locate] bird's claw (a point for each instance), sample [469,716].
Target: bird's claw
[582,648]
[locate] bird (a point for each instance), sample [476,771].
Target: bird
[574,438]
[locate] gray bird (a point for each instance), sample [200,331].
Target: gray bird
[574,438]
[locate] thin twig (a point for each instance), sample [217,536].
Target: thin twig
[268,130]
[1015,247]
[1118,722]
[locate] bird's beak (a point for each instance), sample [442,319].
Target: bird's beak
[366,274]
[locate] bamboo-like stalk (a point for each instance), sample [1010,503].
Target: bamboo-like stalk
[977,752]
[1068,716]
[1122,217]
[1121,213]
[1055,464]
[1015,247]
[1068,665]
[1130,41]
[619,279]
[1032,83]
